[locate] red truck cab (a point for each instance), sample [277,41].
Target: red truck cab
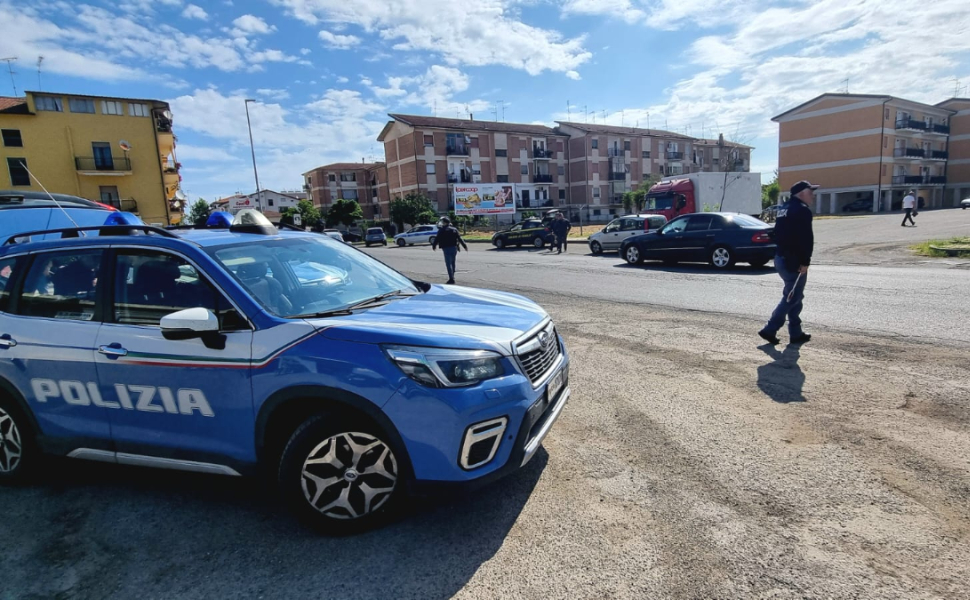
[671,199]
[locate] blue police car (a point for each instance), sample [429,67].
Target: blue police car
[239,348]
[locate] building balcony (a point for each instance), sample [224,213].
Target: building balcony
[916,153]
[617,176]
[907,179]
[936,180]
[542,178]
[460,150]
[540,154]
[938,128]
[462,178]
[910,124]
[939,155]
[103,165]
[675,155]
[613,152]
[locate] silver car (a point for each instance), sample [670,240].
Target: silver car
[375,235]
[619,229]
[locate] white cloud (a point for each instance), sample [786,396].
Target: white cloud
[475,34]
[574,75]
[342,42]
[195,12]
[273,94]
[187,154]
[250,24]
[342,79]
[435,89]
[305,51]
[623,9]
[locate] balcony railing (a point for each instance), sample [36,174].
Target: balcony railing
[539,153]
[163,125]
[910,124]
[938,128]
[102,163]
[675,155]
[937,180]
[909,153]
[939,155]
[919,180]
[460,150]
[616,152]
[462,178]
[617,176]
[543,178]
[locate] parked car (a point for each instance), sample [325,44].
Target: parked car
[419,234]
[335,235]
[770,214]
[619,229]
[27,210]
[721,239]
[351,237]
[860,205]
[531,231]
[375,235]
[248,350]
[965,203]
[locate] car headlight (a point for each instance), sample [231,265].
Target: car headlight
[443,367]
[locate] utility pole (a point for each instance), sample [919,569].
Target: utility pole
[252,148]
[569,114]
[9,62]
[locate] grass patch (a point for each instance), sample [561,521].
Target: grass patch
[961,244]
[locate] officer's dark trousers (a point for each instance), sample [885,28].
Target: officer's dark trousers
[450,255]
[909,215]
[788,271]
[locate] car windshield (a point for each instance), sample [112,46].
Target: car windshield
[659,202]
[306,276]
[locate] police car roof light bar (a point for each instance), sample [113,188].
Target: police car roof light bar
[101,229]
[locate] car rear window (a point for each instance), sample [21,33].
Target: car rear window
[375,230]
[746,221]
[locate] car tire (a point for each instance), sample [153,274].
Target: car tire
[401,243]
[721,257]
[596,248]
[431,240]
[17,450]
[758,264]
[366,245]
[632,254]
[538,243]
[384,243]
[340,476]
[500,243]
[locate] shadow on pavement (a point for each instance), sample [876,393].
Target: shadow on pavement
[739,269]
[89,530]
[782,379]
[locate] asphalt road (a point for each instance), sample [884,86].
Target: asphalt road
[691,462]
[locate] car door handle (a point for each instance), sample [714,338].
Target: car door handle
[6,341]
[113,350]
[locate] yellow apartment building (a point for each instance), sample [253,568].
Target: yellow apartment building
[119,151]
[868,147]
[958,166]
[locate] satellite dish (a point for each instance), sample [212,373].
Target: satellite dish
[179,195]
[124,145]
[167,114]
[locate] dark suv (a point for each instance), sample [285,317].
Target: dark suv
[532,231]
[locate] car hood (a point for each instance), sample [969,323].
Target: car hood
[446,317]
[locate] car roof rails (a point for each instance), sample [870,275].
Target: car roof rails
[101,229]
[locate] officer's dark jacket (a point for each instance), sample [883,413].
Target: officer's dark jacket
[793,232]
[560,227]
[447,237]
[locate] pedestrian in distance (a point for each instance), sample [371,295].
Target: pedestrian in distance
[795,241]
[909,205]
[560,228]
[449,239]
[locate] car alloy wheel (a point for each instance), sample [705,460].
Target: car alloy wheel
[401,243]
[349,475]
[431,240]
[632,255]
[721,257]
[596,248]
[499,243]
[11,445]
[538,243]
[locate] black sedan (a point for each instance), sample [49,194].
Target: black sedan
[720,239]
[532,232]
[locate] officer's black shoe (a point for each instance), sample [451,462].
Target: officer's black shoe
[451,281]
[805,337]
[769,337]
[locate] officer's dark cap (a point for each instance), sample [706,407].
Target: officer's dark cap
[803,185]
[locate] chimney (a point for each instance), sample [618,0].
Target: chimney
[720,139]
[471,117]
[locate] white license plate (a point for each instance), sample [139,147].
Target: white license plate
[555,385]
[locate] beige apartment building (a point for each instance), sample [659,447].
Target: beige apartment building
[958,164]
[573,165]
[867,148]
[364,182]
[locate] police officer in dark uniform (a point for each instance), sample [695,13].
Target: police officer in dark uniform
[449,239]
[795,240]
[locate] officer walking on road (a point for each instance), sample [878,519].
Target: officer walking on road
[795,240]
[909,205]
[449,239]
[560,227]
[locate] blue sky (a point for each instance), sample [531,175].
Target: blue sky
[325,73]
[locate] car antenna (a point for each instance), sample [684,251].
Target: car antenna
[56,203]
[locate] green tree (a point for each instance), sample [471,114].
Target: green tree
[344,212]
[309,214]
[769,192]
[637,197]
[529,214]
[200,212]
[628,202]
[412,209]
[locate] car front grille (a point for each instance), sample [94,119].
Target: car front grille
[538,353]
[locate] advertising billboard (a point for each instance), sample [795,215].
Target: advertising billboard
[484,199]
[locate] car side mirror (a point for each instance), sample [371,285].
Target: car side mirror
[193,323]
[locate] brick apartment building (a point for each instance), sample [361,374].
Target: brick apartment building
[574,164]
[875,148]
[364,182]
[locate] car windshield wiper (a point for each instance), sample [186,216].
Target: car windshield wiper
[349,310]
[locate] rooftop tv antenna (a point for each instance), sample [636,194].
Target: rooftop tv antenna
[10,60]
[40,59]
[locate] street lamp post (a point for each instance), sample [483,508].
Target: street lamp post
[252,148]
